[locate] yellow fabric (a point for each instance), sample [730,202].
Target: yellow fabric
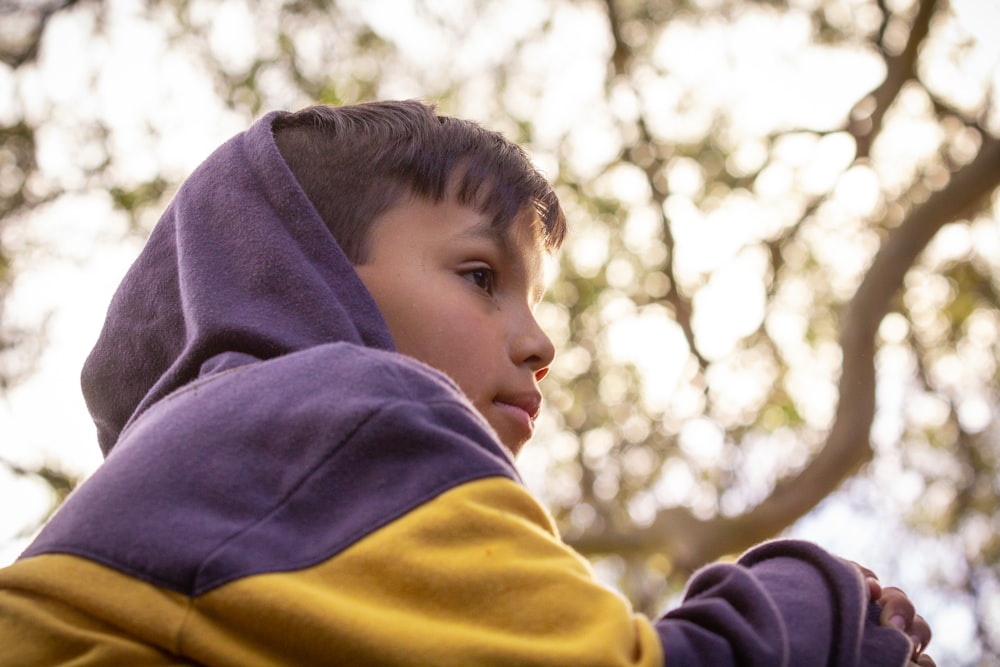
[475,577]
[62,610]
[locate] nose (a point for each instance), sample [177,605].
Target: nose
[532,347]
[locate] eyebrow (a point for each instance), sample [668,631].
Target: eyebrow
[487,230]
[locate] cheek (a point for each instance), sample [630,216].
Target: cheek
[439,338]
[462,354]
[467,353]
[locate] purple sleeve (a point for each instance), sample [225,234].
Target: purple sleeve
[785,602]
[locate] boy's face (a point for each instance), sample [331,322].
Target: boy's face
[459,296]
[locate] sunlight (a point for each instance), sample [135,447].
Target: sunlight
[653,342]
[731,306]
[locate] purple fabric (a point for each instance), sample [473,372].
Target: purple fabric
[274,466]
[240,263]
[784,603]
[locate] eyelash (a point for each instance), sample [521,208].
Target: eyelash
[483,277]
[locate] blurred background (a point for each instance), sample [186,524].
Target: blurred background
[776,313]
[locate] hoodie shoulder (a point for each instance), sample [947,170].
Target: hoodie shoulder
[274,466]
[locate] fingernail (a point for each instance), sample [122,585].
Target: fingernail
[897,622]
[916,644]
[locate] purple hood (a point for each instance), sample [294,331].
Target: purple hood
[240,268]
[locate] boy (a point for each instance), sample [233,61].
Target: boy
[310,389]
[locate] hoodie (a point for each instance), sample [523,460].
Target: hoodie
[280,487]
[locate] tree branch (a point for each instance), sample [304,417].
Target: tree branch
[865,126]
[692,542]
[16,55]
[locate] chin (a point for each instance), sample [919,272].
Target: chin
[514,448]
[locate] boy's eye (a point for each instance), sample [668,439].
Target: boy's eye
[484,278]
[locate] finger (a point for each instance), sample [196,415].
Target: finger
[897,610]
[926,661]
[871,581]
[920,633]
[874,588]
[865,572]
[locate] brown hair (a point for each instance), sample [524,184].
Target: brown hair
[356,162]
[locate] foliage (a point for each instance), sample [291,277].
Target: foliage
[783,267]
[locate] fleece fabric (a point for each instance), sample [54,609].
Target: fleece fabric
[282,488]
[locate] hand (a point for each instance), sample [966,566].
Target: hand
[898,612]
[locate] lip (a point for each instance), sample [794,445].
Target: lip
[523,408]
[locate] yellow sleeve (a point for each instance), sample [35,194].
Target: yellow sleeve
[476,576]
[62,610]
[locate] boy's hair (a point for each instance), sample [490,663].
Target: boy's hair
[356,162]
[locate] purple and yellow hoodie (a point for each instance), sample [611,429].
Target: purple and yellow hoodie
[282,488]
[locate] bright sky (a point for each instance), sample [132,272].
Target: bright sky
[136,81]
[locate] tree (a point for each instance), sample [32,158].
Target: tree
[781,282]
